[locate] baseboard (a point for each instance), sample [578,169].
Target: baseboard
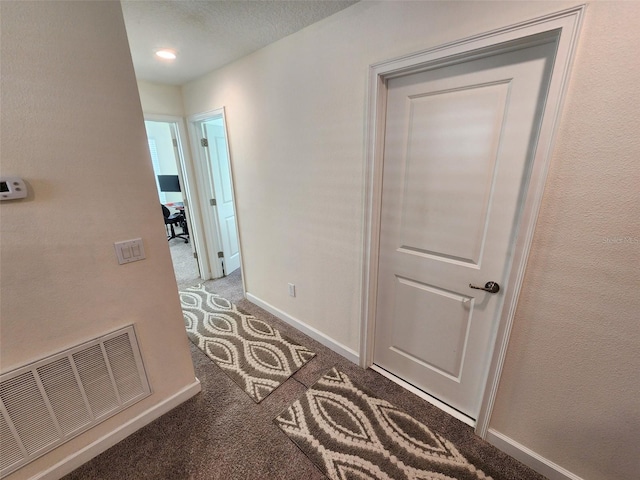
[317,335]
[530,458]
[82,456]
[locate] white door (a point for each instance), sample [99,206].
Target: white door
[458,143]
[220,172]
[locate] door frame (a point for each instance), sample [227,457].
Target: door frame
[211,227]
[561,27]
[188,183]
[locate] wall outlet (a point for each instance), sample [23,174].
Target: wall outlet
[292,290]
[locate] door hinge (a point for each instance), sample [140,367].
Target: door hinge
[221,257]
[175,142]
[195,255]
[213,202]
[204,142]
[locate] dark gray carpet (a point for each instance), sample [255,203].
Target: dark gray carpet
[223,434]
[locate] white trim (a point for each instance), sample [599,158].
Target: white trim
[317,335]
[82,456]
[212,244]
[211,222]
[563,28]
[425,396]
[530,458]
[188,181]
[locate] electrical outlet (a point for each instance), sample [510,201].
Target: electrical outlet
[292,290]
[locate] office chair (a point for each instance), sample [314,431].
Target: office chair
[176,219]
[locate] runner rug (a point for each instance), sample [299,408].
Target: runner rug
[251,352]
[350,434]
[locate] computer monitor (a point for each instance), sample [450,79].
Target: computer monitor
[169,183]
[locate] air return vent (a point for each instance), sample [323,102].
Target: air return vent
[48,402]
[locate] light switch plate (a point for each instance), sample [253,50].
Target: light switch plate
[129,251]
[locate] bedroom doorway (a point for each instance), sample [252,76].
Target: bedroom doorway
[165,149]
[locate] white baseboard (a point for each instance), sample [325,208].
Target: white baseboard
[82,456]
[530,458]
[317,335]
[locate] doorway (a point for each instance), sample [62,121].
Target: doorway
[426,252]
[216,198]
[167,159]
[457,148]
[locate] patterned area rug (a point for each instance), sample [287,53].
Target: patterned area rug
[351,435]
[251,352]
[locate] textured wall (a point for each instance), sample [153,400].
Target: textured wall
[572,374]
[72,127]
[296,117]
[160,99]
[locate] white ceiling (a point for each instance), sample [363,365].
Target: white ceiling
[208,34]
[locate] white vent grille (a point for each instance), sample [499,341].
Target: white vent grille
[50,401]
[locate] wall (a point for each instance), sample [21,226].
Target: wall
[571,378]
[296,118]
[160,99]
[72,127]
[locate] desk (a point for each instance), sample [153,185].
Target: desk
[177,205]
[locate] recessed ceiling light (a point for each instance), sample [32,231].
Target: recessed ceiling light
[166,54]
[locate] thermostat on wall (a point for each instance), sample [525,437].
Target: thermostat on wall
[12,188]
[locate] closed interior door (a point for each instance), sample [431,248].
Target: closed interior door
[220,169]
[458,143]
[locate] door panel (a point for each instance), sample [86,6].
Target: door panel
[446,194]
[220,169]
[457,149]
[449,324]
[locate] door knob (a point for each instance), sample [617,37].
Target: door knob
[491,287]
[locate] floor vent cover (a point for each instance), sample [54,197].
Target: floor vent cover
[48,402]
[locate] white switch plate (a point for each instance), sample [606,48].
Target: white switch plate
[129,251]
[292,290]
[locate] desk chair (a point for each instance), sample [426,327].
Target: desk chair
[176,219]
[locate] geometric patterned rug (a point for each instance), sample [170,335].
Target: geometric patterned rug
[251,352]
[350,434]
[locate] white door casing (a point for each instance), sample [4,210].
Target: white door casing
[188,183]
[457,147]
[186,195]
[562,29]
[218,153]
[216,196]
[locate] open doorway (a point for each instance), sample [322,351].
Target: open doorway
[166,156]
[216,197]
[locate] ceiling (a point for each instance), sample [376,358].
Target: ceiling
[208,34]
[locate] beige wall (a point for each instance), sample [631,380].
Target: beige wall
[295,115]
[72,127]
[571,384]
[159,99]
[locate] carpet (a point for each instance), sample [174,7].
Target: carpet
[350,434]
[251,352]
